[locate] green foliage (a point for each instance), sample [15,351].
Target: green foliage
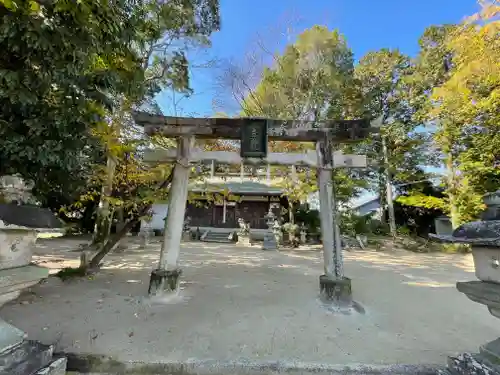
[456,87]
[352,224]
[382,77]
[310,218]
[424,201]
[312,80]
[456,248]
[404,231]
[67,67]
[291,229]
[59,61]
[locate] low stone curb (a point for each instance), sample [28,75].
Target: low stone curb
[101,365]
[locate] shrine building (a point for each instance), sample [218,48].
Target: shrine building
[219,200]
[219,204]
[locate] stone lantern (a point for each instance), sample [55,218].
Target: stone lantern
[269,237]
[484,239]
[19,225]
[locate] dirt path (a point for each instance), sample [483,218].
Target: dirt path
[249,303]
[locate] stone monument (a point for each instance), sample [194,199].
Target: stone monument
[243,233]
[186,229]
[269,237]
[484,239]
[18,232]
[303,234]
[146,232]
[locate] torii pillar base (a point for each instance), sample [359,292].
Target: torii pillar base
[163,282]
[335,290]
[336,295]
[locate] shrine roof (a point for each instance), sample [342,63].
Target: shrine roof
[244,187]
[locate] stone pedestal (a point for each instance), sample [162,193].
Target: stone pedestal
[270,242]
[186,235]
[14,280]
[243,240]
[145,233]
[485,293]
[303,237]
[186,230]
[164,282]
[18,355]
[484,239]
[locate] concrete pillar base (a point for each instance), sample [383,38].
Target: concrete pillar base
[163,281]
[335,290]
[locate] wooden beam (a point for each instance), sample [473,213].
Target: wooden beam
[308,158]
[341,131]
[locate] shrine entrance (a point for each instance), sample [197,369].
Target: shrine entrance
[254,133]
[224,215]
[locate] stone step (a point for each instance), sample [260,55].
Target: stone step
[26,358]
[89,364]
[217,240]
[221,237]
[218,235]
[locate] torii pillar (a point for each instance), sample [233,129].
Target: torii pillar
[334,286]
[166,277]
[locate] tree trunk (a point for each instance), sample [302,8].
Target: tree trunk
[104,213]
[291,214]
[129,224]
[388,189]
[452,188]
[115,238]
[382,195]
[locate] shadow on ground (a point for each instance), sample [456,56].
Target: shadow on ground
[254,304]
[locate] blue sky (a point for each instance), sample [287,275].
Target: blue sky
[367,25]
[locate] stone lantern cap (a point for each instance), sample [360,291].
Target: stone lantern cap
[28,216]
[476,233]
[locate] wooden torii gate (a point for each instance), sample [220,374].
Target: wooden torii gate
[254,134]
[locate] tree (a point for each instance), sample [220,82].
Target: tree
[469,101]
[418,218]
[312,80]
[168,29]
[59,61]
[457,90]
[70,75]
[382,80]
